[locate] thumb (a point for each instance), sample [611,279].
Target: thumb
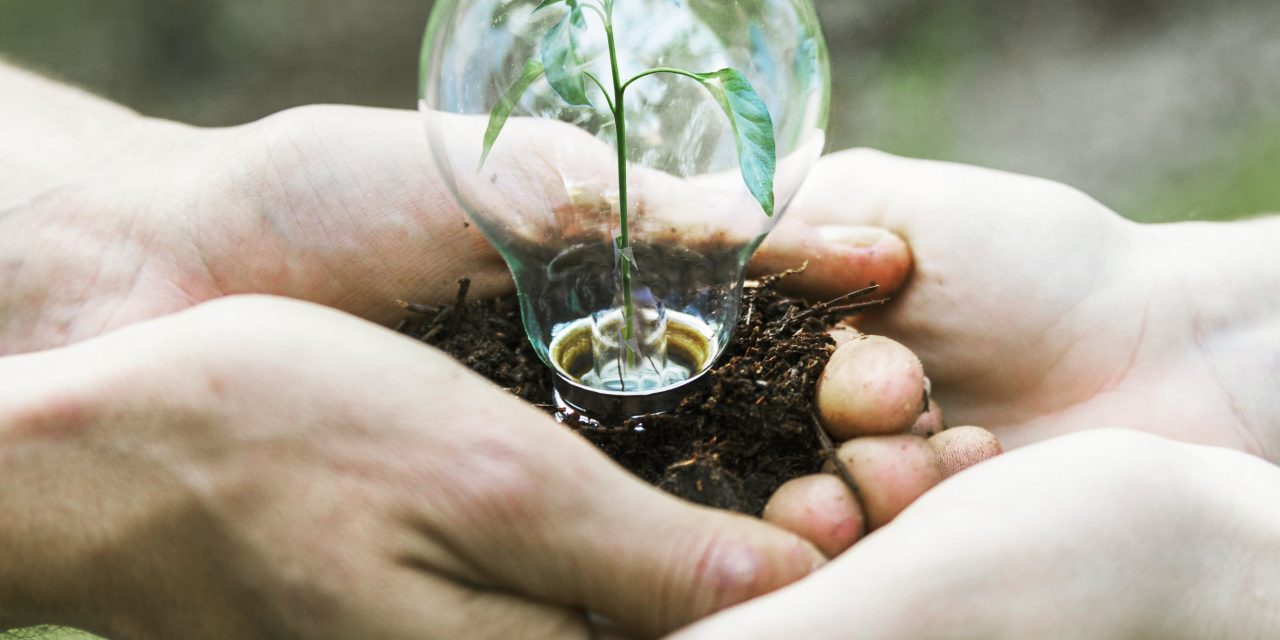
[840,258]
[652,563]
[674,563]
[835,225]
[598,538]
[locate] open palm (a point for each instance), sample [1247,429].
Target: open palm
[1036,310]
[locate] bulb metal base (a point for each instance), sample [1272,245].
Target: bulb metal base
[584,379]
[614,407]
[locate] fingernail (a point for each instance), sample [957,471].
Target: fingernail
[857,237]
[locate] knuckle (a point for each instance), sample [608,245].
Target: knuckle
[728,571]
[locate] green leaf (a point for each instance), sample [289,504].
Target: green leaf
[752,130]
[545,4]
[565,68]
[506,104]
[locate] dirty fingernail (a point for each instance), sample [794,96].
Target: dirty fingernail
[857,237]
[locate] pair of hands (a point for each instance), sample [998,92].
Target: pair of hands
[345,492]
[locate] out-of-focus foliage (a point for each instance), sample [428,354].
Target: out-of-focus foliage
[47,633]
[1164,109]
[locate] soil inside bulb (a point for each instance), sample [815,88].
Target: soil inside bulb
[729,444]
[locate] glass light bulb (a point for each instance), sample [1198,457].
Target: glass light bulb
[626,312]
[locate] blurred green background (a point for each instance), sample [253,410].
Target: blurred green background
[1162,109]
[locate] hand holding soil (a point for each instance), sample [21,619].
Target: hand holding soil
[257,468]
[760,423]
[1038,310]
[1099,534]
[263,468]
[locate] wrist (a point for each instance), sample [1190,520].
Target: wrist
[75,507]
[1218,284]
[35,580]
[115,241]
[51,131]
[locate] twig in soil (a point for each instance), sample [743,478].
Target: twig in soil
[836,305]
[464,286]
[770,280]
[435,331]
[855,307]
[413,307]
[829,450]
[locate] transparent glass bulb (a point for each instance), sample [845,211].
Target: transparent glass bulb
[625,314]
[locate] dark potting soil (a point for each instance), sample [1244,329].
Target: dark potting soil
[749,429]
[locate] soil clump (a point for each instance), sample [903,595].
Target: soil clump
[750,427]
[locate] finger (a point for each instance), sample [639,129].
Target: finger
[962,447]
[653,563]
[890,472]
[843,333]
[840,258]
[877,589]
[931,422]
[1007,538]
[855,584]
[871,385]
[406,603]
[502,496]
[835,224]
[819,508]
[542,512]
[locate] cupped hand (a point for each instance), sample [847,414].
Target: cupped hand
[1037,311]
[893,445]
[337,205]
[263,468]
[1103,534]
[340,206]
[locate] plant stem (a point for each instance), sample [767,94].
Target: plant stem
[604,92]
[624,240]
[599,11]
[649,72]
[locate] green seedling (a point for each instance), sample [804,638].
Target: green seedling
[565,70]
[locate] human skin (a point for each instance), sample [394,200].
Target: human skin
[258,468]
[214,474]
[1039,312]
[1098,534]
[134,217]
